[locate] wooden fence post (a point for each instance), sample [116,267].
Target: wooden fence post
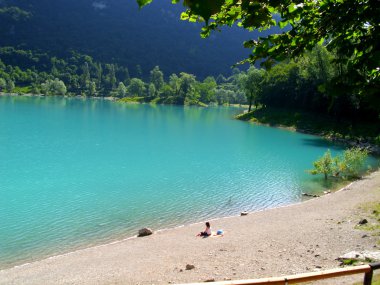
[368,275]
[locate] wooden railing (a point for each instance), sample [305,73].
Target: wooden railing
[307,277]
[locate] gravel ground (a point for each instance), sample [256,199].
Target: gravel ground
[296,239]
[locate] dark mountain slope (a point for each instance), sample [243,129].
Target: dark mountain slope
[116,31]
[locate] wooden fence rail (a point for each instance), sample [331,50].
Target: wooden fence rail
[306,277]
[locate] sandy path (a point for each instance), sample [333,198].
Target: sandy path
[289,240]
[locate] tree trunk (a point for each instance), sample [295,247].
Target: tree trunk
[250,103]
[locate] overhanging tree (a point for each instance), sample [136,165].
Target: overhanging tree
[349,27]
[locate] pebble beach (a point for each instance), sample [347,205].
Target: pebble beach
[300,238]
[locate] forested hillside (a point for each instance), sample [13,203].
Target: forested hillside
[307,83]
[116,31]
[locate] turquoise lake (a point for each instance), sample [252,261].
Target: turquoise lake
[76,173]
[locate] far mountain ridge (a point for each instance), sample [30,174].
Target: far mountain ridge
[116,31]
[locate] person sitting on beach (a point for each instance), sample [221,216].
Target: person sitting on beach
[207,231]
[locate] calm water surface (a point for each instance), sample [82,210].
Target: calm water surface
[80,172]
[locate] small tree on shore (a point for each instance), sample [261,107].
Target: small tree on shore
[348,165]
[324,165]
[352,161]
[136,87]
[10,85]
[121,90]
[54,87]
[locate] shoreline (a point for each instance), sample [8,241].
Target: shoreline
[373,149]
[170,241]
[360,142]
[107,98]
[114,240]
[123,239]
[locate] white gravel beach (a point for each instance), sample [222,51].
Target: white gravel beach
[300,238]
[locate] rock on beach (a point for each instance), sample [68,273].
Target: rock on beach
[145,232]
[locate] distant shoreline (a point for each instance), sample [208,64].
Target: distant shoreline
[348,142]
[307,123]
[109,98]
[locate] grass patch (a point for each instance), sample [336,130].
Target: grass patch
[372,210]
[375,280]
[156,100]
[22,90]
[201,104]
[349,262]
[132,100]
[370,228]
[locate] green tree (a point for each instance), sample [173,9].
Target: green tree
[187,93]
[280,85]
[54,87]
[54,70]
[111,76]
[352,161]
[121,90]
[175,83]
[91,88]
[139,71]
[252,86]
[10,86]
[157,79]
[167,91]
[324,165]
[3,84]
[223,96]
[35,89]
[220,79]
[136,87]
[99,74]
[15,13]
[127,78]
[86,77]
[207,90]
[151,90]
[347,165]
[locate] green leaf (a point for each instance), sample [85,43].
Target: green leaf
[193,19]
[271,9]
[204,8]
[249,44]
[142,3]
[283,24]
[185,16]
[292,7]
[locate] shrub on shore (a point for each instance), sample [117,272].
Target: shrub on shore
[349,165]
